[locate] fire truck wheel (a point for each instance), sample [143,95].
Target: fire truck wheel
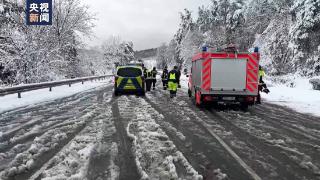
[244,106]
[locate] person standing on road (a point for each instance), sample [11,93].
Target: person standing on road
[164,77]
[173,81]
[148,80]
[154,77]
[178,77]
[262,86]
[144,71]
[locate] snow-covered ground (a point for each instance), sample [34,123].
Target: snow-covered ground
[300,97]
[156,155]
[12,101]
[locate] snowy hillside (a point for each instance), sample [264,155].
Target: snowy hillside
[287,33]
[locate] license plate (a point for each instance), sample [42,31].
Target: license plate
[229,98]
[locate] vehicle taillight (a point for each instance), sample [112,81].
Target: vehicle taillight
[207,98]
[249,99]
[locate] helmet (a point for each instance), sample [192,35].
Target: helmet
[260,67]
[154,68]
[175,67]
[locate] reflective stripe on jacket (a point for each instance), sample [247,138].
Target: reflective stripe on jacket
[261,73]
[154,74]
[149,75]
[164,75]
[172,76]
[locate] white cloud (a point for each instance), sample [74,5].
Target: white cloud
[147,23]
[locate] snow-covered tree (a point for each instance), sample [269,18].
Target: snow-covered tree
[161,57]
[42,53]
[117,51]
[286,31]
[185,27]
[305,33]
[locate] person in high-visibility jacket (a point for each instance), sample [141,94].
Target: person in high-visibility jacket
[144,71]
[164,77]
[173,82]
[154,77]
[262,85]
[148,80]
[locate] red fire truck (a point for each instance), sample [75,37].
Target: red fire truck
[224,77]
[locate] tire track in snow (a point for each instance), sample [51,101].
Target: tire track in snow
[104,157]
[42,158]
[301,127]
[216,156]
[299,147]
[10,148]
[157,157]
[75,159]
[127,165]
[37,118]
[286,167]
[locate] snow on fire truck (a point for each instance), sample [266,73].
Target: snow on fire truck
[227,77]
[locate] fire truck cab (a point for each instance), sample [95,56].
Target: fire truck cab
[224,77]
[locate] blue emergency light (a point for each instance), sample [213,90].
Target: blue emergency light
[256,49]
[204,49]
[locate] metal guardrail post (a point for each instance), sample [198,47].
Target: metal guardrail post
[19,94]
[50,89]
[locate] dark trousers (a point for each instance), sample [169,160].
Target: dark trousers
[259,97]
[154,81]
[165,83]
[148,84]
[261,86]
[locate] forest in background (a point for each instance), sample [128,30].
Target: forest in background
[33,54]
[286,31]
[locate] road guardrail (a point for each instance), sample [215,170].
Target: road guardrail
[50,85]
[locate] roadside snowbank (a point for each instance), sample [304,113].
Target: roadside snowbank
[11,101]
[294,92]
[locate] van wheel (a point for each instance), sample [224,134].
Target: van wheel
[116,93]
[143,93]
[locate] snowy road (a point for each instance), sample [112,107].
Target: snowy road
[94,135]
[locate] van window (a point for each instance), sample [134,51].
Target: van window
[129,72]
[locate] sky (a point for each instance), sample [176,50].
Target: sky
[147,23]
